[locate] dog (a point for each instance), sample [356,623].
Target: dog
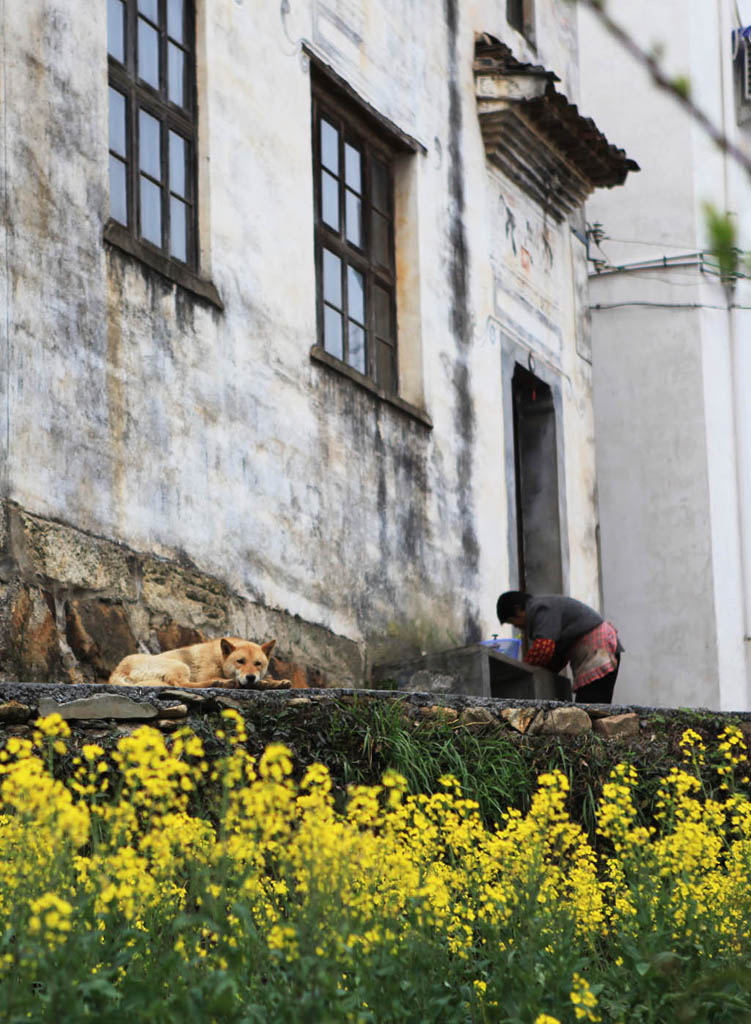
[228,662]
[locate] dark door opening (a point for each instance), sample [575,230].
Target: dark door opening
[538,528]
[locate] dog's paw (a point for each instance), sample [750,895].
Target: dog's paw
[222,684]
[275,684]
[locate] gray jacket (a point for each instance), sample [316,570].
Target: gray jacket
[561,619]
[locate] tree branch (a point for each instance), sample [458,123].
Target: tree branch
[675,88]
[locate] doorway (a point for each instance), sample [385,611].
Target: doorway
[538,526]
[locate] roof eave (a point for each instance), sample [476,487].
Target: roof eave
[548,131]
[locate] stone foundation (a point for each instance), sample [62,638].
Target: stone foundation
[113,708]
[72,605]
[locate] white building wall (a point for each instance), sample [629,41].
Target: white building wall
[137,413]
[673,453]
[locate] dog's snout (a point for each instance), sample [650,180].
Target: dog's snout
[250,679]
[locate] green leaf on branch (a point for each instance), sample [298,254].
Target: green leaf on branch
[722,240]
[682,85]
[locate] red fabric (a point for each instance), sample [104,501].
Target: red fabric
[541,652]
[601,638]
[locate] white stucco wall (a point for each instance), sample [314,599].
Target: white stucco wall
[141,414]
[673,452]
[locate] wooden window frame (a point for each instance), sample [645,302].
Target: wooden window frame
[140,95]
[520,14]
[356,128]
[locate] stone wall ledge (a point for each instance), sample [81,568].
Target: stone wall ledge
[73,604]
[21,703]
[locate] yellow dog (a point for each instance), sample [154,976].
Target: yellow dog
[228,662]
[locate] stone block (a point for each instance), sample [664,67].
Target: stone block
[568,721]
[439,714]
[186,596]
[167,724]
[228,702]
[99,634]
[105,705]
[617,726]
[174,711]
[173,635]
[290,670]
[477,719]
[29,640]
[13,712]
[520,719]
[317,679]
[189,696]
[71,558]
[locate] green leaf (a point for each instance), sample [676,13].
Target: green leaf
[682,85]
[722,240]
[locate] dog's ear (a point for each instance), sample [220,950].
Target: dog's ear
[227,647]
[268,647]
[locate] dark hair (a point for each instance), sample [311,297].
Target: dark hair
[510,602]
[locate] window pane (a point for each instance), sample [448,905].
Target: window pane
[385,366]
[118,192]
[148,53]
[176,75]
[382,303]
[380,240]
[355,295]
[515,14]
[329,146]
[149,142]
[332,279]
[380,186]
[177,149]
[116,29]
[353,216]
[117,122]
[356,354]
[352,167]
[178,229]
[332,331]
[175,19]
[150,8]
[151,212]
[330,200]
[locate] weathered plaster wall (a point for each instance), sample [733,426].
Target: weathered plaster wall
[4,278]
[540,299]
[150,418]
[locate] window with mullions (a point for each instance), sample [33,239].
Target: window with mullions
[520,14]
[152,123]
[354,199]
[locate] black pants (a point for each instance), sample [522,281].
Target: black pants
[600,691]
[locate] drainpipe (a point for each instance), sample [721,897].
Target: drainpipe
[742,431]
[740,369]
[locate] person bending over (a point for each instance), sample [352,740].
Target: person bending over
[563,630]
